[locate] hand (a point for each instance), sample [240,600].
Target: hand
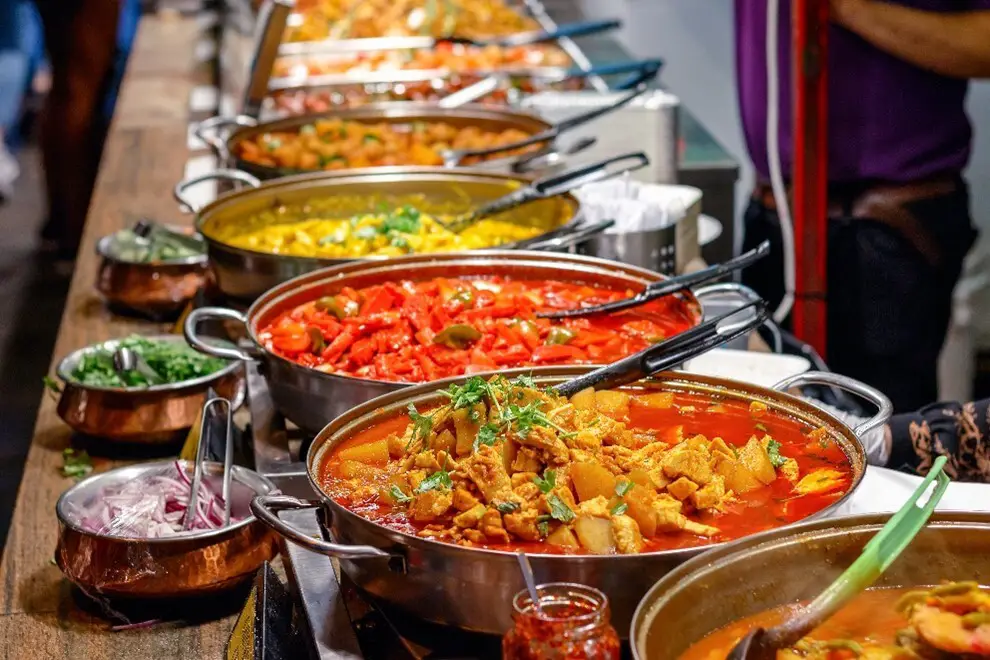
[842,12]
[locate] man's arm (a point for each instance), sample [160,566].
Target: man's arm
[953,44]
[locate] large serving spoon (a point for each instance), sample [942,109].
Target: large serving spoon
[549,187]
[454,157]
[127,360]
[667,286]
[672,352]
[877,556]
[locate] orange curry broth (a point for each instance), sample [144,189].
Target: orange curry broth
[766,508]
[390,331]
[870,618]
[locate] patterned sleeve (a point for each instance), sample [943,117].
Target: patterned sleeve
[961,432]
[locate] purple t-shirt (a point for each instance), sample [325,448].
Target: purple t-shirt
[888,119]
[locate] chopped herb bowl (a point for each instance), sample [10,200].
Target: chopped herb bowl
[95,402]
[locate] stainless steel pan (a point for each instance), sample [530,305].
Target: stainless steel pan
[472,588]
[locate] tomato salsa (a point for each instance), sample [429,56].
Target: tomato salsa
[508,466]
[415,331]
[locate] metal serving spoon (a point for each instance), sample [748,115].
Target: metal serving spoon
[454,157]
[668,286]
[877,556]
[126,360]
[550,187]
[671,352]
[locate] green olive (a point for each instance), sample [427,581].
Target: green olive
[333,305]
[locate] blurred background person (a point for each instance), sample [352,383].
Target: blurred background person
[20,53]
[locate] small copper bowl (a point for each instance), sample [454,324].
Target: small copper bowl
[157,290]
[159,414]
[191,564]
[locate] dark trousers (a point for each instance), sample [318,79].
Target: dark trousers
[888,305]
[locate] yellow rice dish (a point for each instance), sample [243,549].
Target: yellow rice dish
[402,231]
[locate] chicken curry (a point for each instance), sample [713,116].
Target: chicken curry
[508,465]
[951,620]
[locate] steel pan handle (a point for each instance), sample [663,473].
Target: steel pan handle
[871,394]
[266,509]
[179,192]
[747,295]
[190,330]
[208,131]
[571,237]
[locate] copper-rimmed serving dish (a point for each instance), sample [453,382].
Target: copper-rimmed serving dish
[196,563]
[310,398]
[445,582]
[789,566]
[156,414]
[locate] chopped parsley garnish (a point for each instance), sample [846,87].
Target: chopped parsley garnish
[326,160]
[507,507]
[370,137]
[404,219]
[437,480]
[522,419]
[398,496]
[471,392]
[548,482]
[487,435]
[524,381]
[773,451]
[75,464]
[559,510]
[422,425]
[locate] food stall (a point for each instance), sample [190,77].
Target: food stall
[316,367]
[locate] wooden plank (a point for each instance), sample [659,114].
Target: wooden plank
[144,156]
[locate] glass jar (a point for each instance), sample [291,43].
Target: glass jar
[572,622]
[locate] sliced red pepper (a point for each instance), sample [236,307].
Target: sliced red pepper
[340,344]
[362,351]
[292,343]
[377,299]
[509,355]
[557,353]
[428,366]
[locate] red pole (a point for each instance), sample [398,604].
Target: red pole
[810,174]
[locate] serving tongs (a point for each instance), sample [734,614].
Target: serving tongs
[672,352]
[877,556]
[454,157]
[550,187]
[377,44]
[127,360]
[667,286]
[205,435]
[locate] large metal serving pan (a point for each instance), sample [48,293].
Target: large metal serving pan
[486,118]
[472,588]
[786,566]
[310,398]
[245,274]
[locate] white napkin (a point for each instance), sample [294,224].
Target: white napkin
[634,206]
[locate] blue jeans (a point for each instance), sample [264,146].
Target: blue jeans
[21,50]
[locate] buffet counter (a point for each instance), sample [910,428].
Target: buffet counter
[42,617]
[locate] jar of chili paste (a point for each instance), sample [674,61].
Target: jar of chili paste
[571,622]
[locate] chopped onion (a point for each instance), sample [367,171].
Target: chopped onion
[154,506]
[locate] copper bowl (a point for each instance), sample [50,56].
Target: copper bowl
[192,563]
[145,415]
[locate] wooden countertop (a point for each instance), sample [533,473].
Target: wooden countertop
[144,156]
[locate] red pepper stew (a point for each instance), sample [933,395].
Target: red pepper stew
[822,474]
[415,331]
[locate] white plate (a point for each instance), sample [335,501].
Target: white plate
[886,491]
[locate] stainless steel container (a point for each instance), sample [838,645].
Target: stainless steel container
[309,397]
[787,566]
[245,274]
[472,588]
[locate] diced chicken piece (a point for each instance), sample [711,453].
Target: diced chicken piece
[485,469]
[711,495]
[790,470]
[820,481]
[585,440]
[697,443]
[625,458]
[757,409]
[660,480]
[682,488]
[523,525]
[397,445]
[430,505]
[464,500]
[625,531]
[527,460]
[471,517]
[665,501]
[754,456]
[427,461]
[520,478]
[597,507]
[691,464]
[737,476]
[545,439]
[491,526]
[528,492]
[699,529]
[718,446]
[474,536]
[669,520]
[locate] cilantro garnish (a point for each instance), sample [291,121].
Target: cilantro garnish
[440,479]
[507,507]
[471,392]
[559,510]
[524,381]
[75,464]
[487,435]
[422,425]
[548,482]
[773,451]
[404,219]
[397,495]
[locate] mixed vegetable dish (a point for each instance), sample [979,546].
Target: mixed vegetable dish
[508,465]
[413,331]
[314,229]
[173,361]
[951,620]
[337,144]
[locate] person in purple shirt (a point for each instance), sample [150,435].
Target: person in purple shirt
[898,140]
